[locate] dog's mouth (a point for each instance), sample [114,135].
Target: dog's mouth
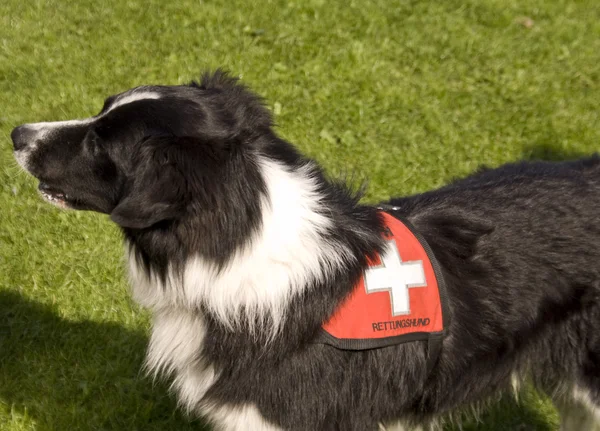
[54,196]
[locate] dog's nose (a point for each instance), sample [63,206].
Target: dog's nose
[21,136]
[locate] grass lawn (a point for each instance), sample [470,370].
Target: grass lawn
[407,93]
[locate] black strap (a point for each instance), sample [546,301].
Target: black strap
[434,348]
[436,340]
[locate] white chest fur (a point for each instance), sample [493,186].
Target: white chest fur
[283,258]
[286,255]
[174,348]
[175,345]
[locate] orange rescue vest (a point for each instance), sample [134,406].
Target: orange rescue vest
[400,297]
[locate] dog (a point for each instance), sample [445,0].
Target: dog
[243,249]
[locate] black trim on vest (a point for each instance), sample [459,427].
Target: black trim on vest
[324,337]
[437,269]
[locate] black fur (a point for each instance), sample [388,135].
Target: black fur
[519,247]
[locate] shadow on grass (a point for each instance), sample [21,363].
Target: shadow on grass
[527,414]
[86,376]
[551,153]
[78,375]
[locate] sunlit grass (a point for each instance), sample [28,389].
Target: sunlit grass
[406,93]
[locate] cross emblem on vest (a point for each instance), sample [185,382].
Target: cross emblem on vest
[396,277]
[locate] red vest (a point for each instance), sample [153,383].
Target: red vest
[400,297]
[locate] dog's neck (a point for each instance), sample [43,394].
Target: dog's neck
[309,233]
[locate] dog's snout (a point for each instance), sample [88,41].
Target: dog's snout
[21,136]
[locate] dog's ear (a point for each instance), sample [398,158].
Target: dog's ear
[157,188]
[141,210]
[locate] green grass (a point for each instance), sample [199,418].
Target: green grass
[406,93]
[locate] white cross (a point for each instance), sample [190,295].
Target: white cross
[396,277]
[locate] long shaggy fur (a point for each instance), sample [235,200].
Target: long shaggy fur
[242,248]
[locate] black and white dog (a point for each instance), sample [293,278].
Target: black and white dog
[242,248]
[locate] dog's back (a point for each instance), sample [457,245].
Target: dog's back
[520,245]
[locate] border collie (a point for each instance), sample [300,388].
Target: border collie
[243,248]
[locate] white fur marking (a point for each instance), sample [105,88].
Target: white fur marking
[43,129]
[49,125]
[583,396]
[22,156]
[259,281]
[239,419]
[400,426]
[132,97]
[578,412]
[177,336]
[191,385]
[286,255]
[515,383]
[175,348]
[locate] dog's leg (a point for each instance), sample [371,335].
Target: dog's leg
[399,426]
[238,418]
[579,413]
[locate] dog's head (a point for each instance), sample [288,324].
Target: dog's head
[152,153]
